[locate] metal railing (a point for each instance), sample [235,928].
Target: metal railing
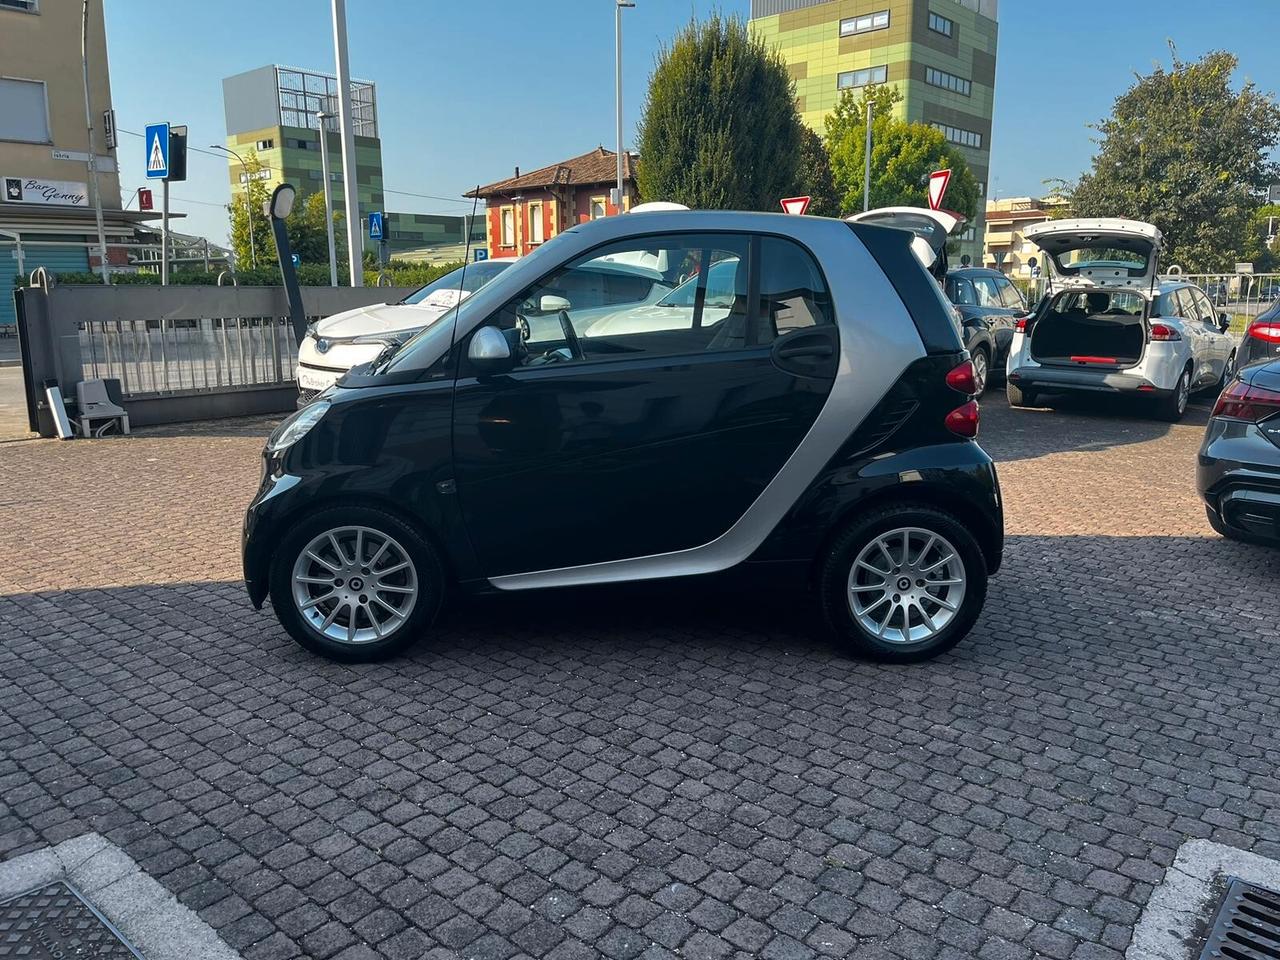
[167,356]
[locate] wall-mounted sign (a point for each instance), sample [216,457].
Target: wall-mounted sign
[263,174]
[53,193]
[104,164]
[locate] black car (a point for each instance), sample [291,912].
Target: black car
[1261,340]
[1239,468]
[806,408]
[990,306]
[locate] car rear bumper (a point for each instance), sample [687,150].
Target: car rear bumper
[1238,475]
[1083,379]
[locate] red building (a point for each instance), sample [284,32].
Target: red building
[531,208]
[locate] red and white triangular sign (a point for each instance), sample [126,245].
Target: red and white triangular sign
[795,205]
[938,183]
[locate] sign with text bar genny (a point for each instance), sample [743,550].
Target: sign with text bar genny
[157,144]
[938,183]
[796,206]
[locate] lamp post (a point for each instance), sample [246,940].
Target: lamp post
[321,117]
[93,158]
[347,129]
[618,7]
[248,204]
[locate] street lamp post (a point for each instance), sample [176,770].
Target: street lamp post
[93,157]
[248,204]
[617,16]
[321,117]
[347,129]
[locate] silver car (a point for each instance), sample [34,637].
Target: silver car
[1110,324]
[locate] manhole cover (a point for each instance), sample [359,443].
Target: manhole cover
[1247,926]
[55,923]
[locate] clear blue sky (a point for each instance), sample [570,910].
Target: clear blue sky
[469,89]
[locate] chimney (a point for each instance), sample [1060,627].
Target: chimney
[517,171]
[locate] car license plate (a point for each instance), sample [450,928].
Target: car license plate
[314,379]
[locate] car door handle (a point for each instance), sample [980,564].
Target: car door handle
[821,350]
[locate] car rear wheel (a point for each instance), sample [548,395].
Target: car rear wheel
[1174,406]
[903,584]
[1228,372]
[981,369]
[1018,397]
[355,584]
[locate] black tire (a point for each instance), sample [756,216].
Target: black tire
[1227,373]
[984,354]
[1018,397]
[426,569]
[1173,406]
[834,577]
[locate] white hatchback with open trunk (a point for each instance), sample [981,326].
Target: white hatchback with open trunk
[1110,324]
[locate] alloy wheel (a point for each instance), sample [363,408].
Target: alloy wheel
[1184,392]
[980,372]
[355,584]
[906,585]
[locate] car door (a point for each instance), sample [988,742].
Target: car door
[1223,343]
[643,436]
[1203,324]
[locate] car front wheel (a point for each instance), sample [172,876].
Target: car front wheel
[903,584]
[355,584]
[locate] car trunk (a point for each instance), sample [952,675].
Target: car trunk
[1074,331]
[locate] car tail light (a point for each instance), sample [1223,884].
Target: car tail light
[1163,332]
[963,421]
[1021,324]
[1268,331]
[1244,401]
[963,379]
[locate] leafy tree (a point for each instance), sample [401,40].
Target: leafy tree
[1264,256]
[307,235]
[263,246]
[720,128]
[903,155]
[1185,151]
[813,176]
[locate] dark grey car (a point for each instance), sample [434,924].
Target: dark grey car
[990,307]
[1261,339]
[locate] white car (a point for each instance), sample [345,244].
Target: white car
[335,344]
[1109,324]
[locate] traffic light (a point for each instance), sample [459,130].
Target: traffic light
[177,154]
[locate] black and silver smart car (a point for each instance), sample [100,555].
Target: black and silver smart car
[1239,465]
[800,401]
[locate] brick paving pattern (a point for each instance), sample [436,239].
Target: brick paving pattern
[651,772]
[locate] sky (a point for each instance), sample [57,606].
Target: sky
[468,90]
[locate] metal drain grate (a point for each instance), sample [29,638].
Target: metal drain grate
[1247,926]
[55,921]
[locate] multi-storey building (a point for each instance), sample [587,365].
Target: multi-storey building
[940,54]
[1004,246]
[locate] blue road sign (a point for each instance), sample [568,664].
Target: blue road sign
[375,226]
[157,142]
[297,260]
[480,253]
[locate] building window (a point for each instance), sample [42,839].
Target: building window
[966,138]
[940,24]
[597,208]
[535,222]
[967,235]
[864,24]
[265,144]
[508,219]
[861,78]
[24,110]
[24,6]
[947,81]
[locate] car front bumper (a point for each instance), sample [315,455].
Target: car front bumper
[262,526]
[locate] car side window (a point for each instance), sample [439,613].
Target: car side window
[1009,295]
[988,292]
[1182,304]
[960,292]
[1204,309]
[618,302]
[793,293]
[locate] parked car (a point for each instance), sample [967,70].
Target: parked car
[1110,325]
[989,306]
[1217,293]
[1239,465]
[822,424]
[334,345]
[1261,340]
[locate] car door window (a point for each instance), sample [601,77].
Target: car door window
[988,293]
[793,294]
[960,292]
[1009,295]
[1204,309]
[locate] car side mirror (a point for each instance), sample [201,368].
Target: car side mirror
[1224,322]
[489,352]
[550,303]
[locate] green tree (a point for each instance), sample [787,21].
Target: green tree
[813,176]
[263,246]
[1185,151]
[1264,256]
[720,128]
[903,155]
[307,234]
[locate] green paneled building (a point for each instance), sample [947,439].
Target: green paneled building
[941,54]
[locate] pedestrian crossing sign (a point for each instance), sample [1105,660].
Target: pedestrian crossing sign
[157,141]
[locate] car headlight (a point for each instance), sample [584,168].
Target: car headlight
[296,427]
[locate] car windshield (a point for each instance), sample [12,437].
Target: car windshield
[721,280]
[444,290]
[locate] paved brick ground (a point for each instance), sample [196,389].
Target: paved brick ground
[643,773]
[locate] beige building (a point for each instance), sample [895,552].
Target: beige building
[46,210]
[1004,248]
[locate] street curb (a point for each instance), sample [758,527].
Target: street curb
[145,913]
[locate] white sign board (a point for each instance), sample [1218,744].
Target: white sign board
[1273,193]
[104,164]
[1244,268]
[263,174]
[52,193]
